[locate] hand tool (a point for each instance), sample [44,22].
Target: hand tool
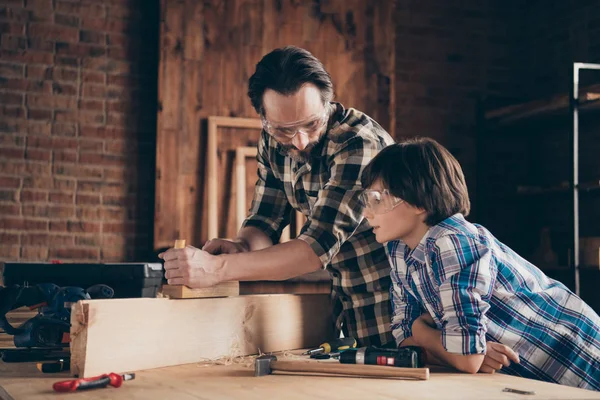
[267,364]
[405,357]
[101,381]
[55,366]
[517,391]
[333,346]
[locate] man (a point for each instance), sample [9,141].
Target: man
[311,154]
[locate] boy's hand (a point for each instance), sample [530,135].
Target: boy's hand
[497,356]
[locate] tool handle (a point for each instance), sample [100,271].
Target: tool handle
[376,371]
[88,383]
[341,344]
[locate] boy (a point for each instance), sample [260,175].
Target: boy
[455,286]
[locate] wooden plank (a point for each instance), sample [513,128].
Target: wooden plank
[277,287]
[122,335]
[237,381]
[224,289]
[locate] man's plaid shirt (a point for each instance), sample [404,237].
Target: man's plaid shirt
[326,191]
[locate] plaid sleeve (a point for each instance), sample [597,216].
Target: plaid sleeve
[270,209]
[338,212]
[465,274]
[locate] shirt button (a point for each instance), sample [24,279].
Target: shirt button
[335,274]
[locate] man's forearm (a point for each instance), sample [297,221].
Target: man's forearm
[253,238]
[431,339]
[279,262]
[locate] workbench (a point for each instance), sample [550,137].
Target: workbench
[236,381]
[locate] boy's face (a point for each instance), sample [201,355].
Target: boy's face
[403,221]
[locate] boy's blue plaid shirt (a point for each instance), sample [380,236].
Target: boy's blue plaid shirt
[326,191]
[477,290]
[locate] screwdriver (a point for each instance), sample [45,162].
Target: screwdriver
[335,345]
[406,357]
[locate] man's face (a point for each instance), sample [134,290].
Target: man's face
[296,121]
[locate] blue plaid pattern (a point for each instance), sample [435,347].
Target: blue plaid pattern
[477,290]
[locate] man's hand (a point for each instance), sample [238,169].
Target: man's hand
[223,246]
[192,267]
[497,356]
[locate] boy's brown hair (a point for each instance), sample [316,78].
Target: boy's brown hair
[423,173]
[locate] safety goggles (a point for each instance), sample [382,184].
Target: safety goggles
[379,202]
[285,133]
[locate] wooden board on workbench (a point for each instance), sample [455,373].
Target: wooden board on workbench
[123,335]
[237,381]
[223,289]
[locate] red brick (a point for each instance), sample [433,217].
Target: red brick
[61,212]
[10,253]
[91,145]
[55,102]
[87,213]
[10,209]
[12,153]
[22,224]
[123,201]
[8,195]
[118,227]
[39,141]
[30,210]
[122,12]
[40,44]
[74,253]
[37,169]
[101,159]
[66,20]
[12,111]
[39,114]
[38,155]
[95,105]
[120,40]
[64,129]
[34,253]
[27,57]
[54,32]
[38,182]
[83,227]
[8,140]
[9,182]
[118,214]
[24,85]
[92,37]
[84,117]
[65,74]
[11,98]
[78,171]
[64,184]
[12,42]
[103,132]
[9,70]
[92,77]
[79,49]
[93,241]
[40,5]
[116,174]
[90,186]
[58,226]
[62,198]
[119,53]
[91,90]
[88,199]
[68,61]
[35,239]
[16,14]
[33,196]
[60,240]
[64,89]
[117,254]
[9,238]
[65,156]
[13,28]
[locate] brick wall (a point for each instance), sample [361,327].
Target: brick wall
[77,129]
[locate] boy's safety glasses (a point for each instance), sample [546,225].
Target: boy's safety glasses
[379,202]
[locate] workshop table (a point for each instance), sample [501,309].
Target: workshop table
[236,381]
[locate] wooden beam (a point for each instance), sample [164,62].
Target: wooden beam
[215,122]
[121,335]
[223,289]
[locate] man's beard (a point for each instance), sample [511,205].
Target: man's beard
[301,156]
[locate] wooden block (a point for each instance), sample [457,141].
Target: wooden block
[184,292]
[121,335]
[224,289]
